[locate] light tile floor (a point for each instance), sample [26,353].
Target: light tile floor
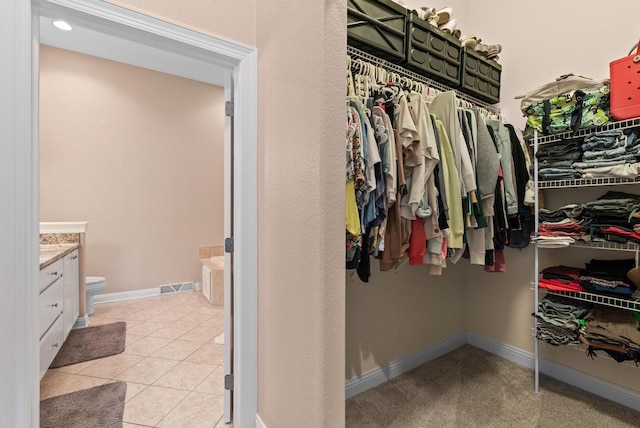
[173,368]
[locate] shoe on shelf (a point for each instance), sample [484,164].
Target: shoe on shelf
[426,12]
[449,26]
[444,15]
[469,41]
[481,48]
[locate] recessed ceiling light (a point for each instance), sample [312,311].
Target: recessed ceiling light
[63,25]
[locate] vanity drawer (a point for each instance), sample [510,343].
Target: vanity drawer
[51,301]
[50,274]
[50,344]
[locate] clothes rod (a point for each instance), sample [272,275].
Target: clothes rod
[355,53]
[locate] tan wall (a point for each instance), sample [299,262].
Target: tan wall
[401,312]
[139,155]
[301,208]
[536,51]
[301,196]
[231,20]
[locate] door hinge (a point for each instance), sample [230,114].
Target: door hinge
[228,108]
[228,245]
[228,382]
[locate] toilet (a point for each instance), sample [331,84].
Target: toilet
[94,285]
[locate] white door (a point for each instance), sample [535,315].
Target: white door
[228,254]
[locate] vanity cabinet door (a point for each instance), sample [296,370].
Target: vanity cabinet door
[51,305]
[71,291]
[50,274]
[50,344]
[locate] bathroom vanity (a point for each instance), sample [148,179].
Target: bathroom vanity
[59,298]
[61,286]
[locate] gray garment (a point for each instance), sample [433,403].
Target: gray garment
[604,154]
[546,163]
[444,108]
[440,176]
[506,160]
[608,162]
[625,170]
[488,160]
[605,140]
[566,211]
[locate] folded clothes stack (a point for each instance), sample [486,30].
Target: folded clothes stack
[613,217]
[561,278]
[559,320]
[561,227]
[613,209]
[601,154]
[567,227]
[608,277]
[610,154]
[555,161]
[613,331]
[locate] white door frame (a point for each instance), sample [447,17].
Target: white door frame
[19,231]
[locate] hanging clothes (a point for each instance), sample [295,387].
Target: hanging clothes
[428,179]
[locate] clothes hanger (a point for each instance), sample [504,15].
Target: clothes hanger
[350,85]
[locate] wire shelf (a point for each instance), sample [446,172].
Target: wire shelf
[628,304]
[355,53]
[587,182]
[623,124]
[583,348]
[596,245]
[606,245]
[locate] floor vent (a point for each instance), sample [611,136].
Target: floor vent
[177,287]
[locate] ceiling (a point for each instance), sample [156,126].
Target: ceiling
[100,44]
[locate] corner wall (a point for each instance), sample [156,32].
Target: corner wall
[497,305]
[139,155]
[301,66]
[301,60]
[401,312]
[540,42]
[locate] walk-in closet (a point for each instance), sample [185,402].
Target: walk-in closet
[503,289]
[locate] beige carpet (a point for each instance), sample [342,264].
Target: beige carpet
[473,388]
[89,343]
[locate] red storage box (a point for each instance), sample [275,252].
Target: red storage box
[625,86]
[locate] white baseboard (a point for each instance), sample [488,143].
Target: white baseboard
[126,295]
[382,374]
[81,322]
[573,377]
[259,422]
[584,381]
[592,384]
[508,352]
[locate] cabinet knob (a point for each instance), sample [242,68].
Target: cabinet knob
[55,345]
[54,305]
[54,273]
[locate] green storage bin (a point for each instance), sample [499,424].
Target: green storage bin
[433,52]
[480,77]
[377,27]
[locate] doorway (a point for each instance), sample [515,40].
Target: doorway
[138,154]
[237,66]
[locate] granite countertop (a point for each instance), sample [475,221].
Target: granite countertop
[52,252]
[215,262]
